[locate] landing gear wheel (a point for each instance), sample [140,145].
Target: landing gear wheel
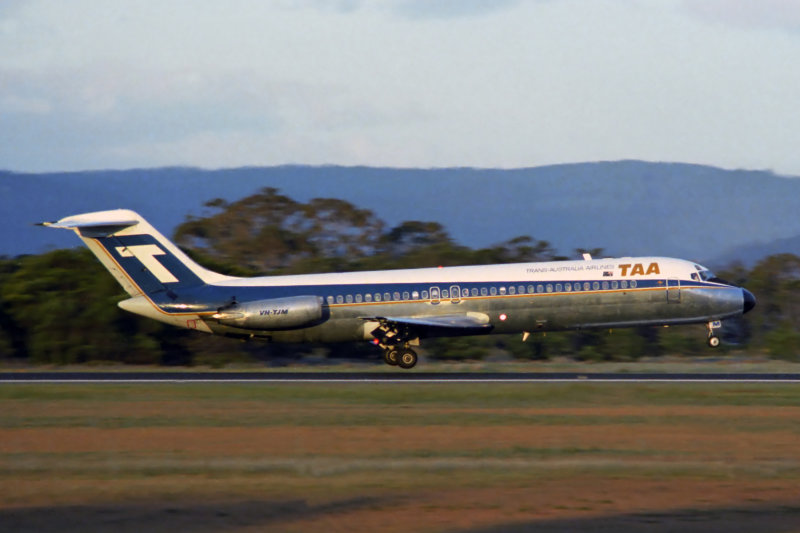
[407,359]
[391,356]
[713,341]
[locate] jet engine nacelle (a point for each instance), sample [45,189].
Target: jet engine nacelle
[273,314]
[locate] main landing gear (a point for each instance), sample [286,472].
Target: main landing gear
[396,342]
[405,357]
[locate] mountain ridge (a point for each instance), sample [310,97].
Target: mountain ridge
[627,207]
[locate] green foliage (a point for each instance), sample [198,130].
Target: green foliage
[458,348]
[783,342]
[270,233]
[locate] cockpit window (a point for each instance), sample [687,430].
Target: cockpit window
[704,273]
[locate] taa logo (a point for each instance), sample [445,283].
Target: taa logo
[638,269]
[146,253]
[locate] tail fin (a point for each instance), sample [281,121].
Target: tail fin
[141,259]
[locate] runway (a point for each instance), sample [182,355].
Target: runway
[390,377]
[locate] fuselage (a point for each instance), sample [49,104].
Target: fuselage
[519,297]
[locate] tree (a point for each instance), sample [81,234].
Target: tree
[271,233]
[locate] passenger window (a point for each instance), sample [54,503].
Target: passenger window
[512,290]
[623,284]
[445,293]
[358,298]
[377,297]
[339,299]
[415,295]
[502,291]
[493,291]
[530,289]
[330,299]
[348,298]
[464,292]
[396,296]
[424,295]
[387,297]
[568,287]
[596,285]
[540,288]
[521,289]
[367,297]
[474,292]
[483,291]
[549,287]
[605,285]
[586,286]
[615,285]
[405,295]
[633,284]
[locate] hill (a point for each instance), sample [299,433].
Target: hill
[627,207]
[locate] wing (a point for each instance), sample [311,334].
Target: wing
[408,327]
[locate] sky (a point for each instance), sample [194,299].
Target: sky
[116,84]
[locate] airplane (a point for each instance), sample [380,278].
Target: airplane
[395,309]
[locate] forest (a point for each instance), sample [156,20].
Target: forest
[59,307]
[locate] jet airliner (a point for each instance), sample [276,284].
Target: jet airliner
[394,309]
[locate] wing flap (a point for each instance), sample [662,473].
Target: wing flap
[468,322]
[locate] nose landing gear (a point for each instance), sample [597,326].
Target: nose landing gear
[713,340]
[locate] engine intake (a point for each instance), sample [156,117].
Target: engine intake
[273,314]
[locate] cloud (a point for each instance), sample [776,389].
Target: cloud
[336,6]
[90,84]
[445,9]
[761,14]
[93,116]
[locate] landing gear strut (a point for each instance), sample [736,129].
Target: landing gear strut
[713,340]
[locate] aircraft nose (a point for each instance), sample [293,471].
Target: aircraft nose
[749,300]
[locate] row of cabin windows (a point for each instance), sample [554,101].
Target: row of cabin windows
[483,291]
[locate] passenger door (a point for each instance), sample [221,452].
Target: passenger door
[673,291]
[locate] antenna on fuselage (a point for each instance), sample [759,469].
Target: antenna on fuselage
[587,257]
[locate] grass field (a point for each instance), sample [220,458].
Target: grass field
[400,457]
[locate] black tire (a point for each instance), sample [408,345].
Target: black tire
[407,359]
[391,356]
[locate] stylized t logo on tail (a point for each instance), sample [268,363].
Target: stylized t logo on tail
[146,254]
